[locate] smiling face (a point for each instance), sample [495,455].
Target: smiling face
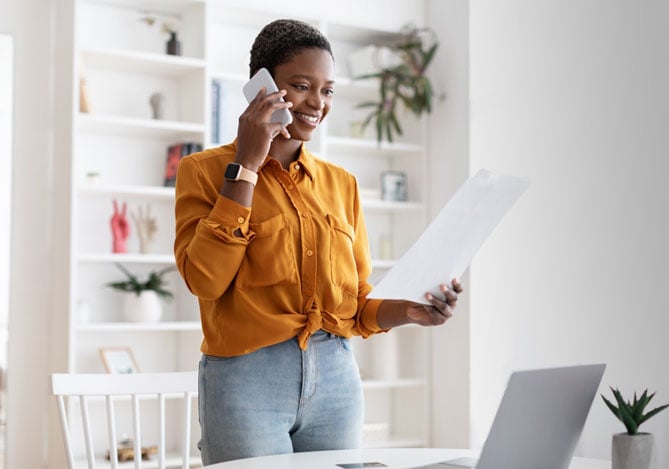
[308,78]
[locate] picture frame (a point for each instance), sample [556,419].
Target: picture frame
[119,360]
[394,186]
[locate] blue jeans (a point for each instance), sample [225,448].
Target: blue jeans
[280,399]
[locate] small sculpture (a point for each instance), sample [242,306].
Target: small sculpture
[157,102]
[173,45]
[146,229]
[84,106]
[120,229]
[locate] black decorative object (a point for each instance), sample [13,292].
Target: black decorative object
[173,44]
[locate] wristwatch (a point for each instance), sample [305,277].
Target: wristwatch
[237,172]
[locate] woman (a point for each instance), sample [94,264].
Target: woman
[273,242]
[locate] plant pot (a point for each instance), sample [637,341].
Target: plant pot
[632,451]
[385,356]
[146,307]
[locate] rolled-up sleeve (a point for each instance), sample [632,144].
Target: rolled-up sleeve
[212,233]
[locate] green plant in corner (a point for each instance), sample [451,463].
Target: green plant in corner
[154,282]
[405,83]
[631,413]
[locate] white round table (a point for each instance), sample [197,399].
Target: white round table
[393,458]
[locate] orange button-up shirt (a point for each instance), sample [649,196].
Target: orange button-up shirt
[299,260]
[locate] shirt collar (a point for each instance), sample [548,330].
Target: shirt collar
[306,160]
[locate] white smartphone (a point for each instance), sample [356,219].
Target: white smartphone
[264,78]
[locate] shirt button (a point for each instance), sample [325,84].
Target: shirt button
[290,187]
[240,220]
[297,166]
[305,215]
[310,253]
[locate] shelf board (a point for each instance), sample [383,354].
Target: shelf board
[172,460]
[126,258]
[337,30]
[396,442]
[174,7]
[222,75]
[381,205]
[366,89]
[141,62]
[373,147]
[392,383]
[137,127]
[171,326]
[142,192]
[383,263]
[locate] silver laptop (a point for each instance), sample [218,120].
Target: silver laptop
[539,420]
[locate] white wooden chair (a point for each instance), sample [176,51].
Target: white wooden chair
[87,387]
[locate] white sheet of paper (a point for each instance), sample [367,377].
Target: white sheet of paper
[448,245]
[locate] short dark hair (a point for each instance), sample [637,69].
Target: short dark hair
[281,40]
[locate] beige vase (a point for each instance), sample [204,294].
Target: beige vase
[632,451]
[143,308]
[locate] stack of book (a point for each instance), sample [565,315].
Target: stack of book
[174,154]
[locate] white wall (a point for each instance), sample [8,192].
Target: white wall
[30,22]
[6,109]
[575,96]
[448,168]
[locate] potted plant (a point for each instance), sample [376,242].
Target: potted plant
[403,83]
[633,449]
[143,305]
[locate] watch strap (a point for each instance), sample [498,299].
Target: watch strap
[243,174]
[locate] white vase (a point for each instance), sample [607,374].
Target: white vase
[632,451]
[143,308]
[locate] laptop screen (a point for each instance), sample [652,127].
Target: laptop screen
[540,418]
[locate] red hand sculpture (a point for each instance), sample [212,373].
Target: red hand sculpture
[120,229]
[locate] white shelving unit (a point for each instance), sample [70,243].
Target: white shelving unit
[123,62]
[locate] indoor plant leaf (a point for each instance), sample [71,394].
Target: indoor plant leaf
[405,83]
[632,413]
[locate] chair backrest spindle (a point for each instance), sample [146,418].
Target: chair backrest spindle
[188,401]
[137,440]
[88,435]
[157,386]
[65,427]
[111,430]
[161,446]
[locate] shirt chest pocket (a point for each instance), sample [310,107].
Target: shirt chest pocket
[342,258]
[270,257]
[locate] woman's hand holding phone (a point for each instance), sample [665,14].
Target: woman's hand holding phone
[263,79]
[265,117]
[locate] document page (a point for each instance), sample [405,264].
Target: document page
[448,245]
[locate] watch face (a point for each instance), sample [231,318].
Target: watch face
[232,171]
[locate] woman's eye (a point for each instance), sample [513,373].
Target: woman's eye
[328,92]
[300,87]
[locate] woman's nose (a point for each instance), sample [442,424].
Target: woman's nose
[316,101]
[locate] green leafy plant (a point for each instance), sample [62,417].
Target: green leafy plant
[155,282]
[403,84]
[632,414]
